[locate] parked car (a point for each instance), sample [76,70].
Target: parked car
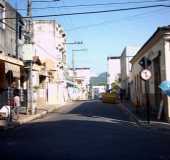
[110,98]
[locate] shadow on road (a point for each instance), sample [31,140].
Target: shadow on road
[81,140]
[90,131]
[99,109]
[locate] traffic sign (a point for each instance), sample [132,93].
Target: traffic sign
[146,74]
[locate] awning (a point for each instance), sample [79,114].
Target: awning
[15,69]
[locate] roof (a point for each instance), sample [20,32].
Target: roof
[157,34]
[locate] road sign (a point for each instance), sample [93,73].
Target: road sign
[146,74]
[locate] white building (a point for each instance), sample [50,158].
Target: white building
[125,64]
[97,90]
[81,78]
[157,50]
[49,50]
[113,70]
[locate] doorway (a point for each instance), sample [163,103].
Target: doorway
[157,81]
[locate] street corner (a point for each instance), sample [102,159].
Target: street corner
[125,108]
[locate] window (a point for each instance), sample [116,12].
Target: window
[2,16]
[20,32]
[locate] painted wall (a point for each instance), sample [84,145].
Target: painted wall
[125,64]
[138,85]
[8,35]
[113,70]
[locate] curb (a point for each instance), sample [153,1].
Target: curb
[133,116]
[31,118]
[142,123]
[37,116]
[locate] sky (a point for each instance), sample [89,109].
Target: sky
[104,34]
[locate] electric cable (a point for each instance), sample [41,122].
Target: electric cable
[92,12]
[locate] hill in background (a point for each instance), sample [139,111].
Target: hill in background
[100,80]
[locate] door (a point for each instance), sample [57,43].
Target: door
[157,81]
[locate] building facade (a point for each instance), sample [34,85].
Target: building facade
[156,49]
[11,42]
[125,64]
[48,54]
[113,70]
[82,81]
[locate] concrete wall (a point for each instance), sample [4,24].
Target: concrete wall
[83,81]
[45,42]
[8,34]
[49,45]
[167,73]
[125,58]
[83,74]
[113,70]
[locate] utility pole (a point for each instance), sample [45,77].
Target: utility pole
[29,22]
[17,35]
[29,30]
[73,60]
[146,76]
[73,56]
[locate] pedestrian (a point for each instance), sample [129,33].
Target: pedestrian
[16,100]
[121,94]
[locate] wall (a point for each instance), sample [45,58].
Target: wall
[167,73]
[138,85]
[125,58]
[8,34]
[113,70]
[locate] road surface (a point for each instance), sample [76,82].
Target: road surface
[85,130]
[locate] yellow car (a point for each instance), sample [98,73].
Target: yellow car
[110,98]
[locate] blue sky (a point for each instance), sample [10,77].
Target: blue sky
[103,34]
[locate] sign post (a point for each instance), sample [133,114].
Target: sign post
[146,76]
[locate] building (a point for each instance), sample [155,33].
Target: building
[113,70]
[48,54]
[82,81]
[125,65]
[11,42]
[97,91]
[156,49]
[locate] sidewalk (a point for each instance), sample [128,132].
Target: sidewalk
[40,113]
[23,119]
[140,117]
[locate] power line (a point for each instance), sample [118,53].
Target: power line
[1,21]
[107,22]
[46,1]
[98,4]
[92,12]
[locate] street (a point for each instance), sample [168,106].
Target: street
[85,130]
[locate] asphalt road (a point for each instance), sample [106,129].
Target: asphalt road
[85,131]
